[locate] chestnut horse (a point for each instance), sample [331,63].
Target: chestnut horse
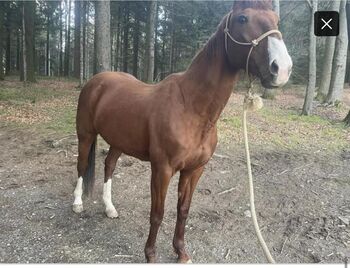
[172,124]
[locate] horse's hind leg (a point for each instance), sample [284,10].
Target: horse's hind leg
[84,146]
[110,163]
[187,184]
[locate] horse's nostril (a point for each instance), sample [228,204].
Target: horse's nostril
[274,68]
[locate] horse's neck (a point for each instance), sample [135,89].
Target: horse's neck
[208,82]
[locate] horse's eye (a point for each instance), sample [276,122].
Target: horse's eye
[242,19]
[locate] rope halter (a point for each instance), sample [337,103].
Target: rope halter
[254,43]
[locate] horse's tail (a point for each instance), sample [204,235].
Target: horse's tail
[89,177]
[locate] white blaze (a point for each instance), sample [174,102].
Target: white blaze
[278,53]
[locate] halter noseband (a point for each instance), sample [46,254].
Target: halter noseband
[252,44]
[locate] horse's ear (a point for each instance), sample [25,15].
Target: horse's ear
[258,4]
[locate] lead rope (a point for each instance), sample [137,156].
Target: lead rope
[252,102]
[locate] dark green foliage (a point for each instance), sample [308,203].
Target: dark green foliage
[181,29]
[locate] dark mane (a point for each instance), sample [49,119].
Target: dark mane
[216,41]
[256,4]
[215,45]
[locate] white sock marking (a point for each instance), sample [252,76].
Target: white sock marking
[78,192]
[107,195]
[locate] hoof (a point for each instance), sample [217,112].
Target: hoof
[151,259]
[112,213]
[78,208]
[188,261]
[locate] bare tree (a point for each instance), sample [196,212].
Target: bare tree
[103,36]
[150,38]
[60,45]
[47,59]
[126,36]
[77,34]
[328,61]
[276,6]
[172,37]
[24,49]
[339,65]
[2,33]
[136,41]
[310,91]
[84,66]
[67,41]
[82,43]
[28,11]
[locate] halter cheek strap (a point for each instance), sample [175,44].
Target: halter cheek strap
[252,44]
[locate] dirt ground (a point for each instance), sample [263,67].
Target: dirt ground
[302,199]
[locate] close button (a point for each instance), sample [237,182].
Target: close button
[326,23]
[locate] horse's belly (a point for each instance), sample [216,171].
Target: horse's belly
[129,143]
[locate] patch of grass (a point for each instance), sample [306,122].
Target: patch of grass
[283,128]
[62,121]
[30,94]
[49,105]
[234,121]
[286,116]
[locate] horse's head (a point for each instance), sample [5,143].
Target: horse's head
[254,23]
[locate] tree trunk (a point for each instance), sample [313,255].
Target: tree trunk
[347,120]
[156,46]
[67,46]
[118,45]
[136,45]
[2,20]
[24,47]
[310,91]
[276,6]
[60,67]
[339,66]
[103,37]
[126,38]
[77,15]
[8,47]
[47,63]
[28,46]
[172,38]
[18,50]
[81,44]
[149,53]
[327,62]
[84,48]
[347,78]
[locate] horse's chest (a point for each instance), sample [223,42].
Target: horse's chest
[199,154]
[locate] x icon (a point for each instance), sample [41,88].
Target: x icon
[326,24]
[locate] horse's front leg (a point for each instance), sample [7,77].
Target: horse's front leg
[187,184]
[161,175]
